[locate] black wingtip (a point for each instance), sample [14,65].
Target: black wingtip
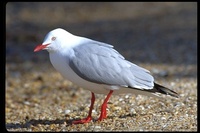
[164,90]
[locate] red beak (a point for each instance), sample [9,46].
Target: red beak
[40,47]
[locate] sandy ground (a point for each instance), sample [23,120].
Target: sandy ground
[161,37]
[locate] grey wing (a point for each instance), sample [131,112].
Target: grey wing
[102,64]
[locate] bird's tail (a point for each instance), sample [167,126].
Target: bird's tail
[164,90]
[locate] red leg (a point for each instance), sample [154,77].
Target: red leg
[89,117]
[104,106]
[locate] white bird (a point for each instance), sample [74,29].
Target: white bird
[98,67]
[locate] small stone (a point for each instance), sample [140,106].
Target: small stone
[132,111]
[94,111]
[121,99]
[67,111]
[27,103]
[97,127]
[163,118]
[60,110]
[127,96]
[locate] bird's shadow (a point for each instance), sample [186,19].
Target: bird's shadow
[35,122]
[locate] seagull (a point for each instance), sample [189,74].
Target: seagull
[99,68]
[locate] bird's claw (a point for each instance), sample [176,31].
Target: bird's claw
[82,121]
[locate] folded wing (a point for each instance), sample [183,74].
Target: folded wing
[99,63]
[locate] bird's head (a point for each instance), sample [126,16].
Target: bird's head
[55,40]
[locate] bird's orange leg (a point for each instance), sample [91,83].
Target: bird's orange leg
[104,106]
[89,117]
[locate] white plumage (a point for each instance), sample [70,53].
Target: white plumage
[98,67]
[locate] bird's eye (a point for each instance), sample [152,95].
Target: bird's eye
[53,38]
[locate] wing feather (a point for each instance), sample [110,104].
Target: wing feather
[100,63]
